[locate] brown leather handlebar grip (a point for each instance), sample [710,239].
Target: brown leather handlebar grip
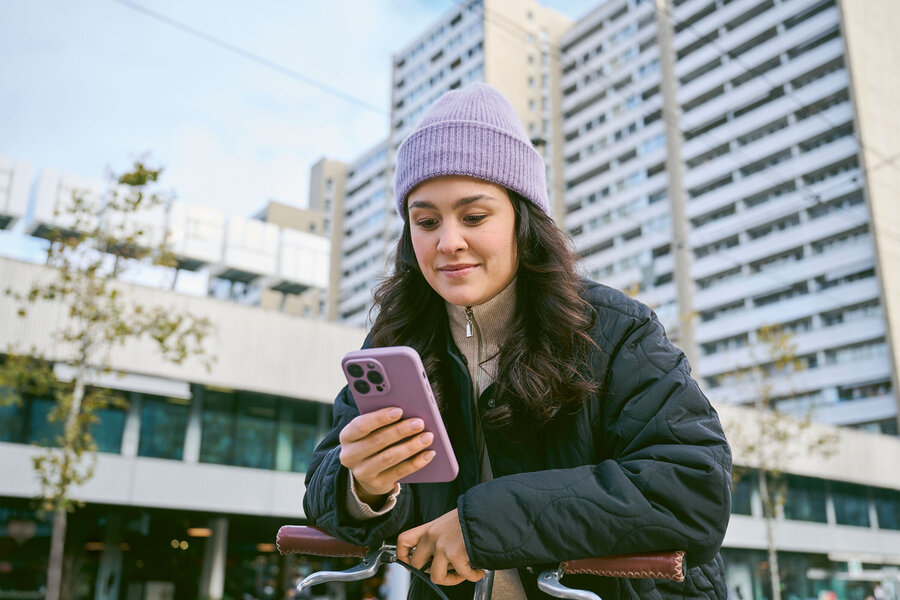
[298,539]
[651,565]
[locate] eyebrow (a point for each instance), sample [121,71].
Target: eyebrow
[460,202]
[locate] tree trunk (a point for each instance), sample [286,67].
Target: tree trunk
[57,549]
[769,516]
[58,538]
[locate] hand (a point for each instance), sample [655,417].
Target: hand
[441,543]
[379,450]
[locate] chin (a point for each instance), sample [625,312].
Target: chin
[460,297]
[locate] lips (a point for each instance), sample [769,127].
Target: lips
[457,270]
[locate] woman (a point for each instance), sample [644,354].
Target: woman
[577,427]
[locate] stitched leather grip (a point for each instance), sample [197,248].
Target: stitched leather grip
[652,565]
[298,539]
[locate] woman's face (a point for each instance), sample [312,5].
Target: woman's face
[463,233]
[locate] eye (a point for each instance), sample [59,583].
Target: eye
[474,219]
[426,224]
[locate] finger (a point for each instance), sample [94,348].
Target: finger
[439,569]
[363,425]
[394,433]
[406,541]
[442,572]
[465,570]
[391,465]
[423,553]
[406,461]
[356,450]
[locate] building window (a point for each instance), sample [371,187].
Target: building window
[28,423]
[851,504]
[887,507]
[742,493]
[304,434]
[163,426]
[110,425]
[805,499]
[239,429]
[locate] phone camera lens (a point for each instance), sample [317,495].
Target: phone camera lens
[355,370]
[375,377]
[361,386]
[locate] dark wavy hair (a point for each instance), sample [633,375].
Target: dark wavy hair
[544,366]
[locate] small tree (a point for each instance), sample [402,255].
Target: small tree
[87,258]
[778,436]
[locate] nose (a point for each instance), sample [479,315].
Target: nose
[452,239]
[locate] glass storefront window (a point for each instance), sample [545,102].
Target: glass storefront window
[108,429]
[239,428]
[163,426]
[12,423]
[40,429]
[304,432]
[742,493]
[887,507]
[28,423]
[257,431]
[851,504]
[216,439]
[805,499]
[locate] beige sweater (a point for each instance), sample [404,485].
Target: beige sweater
[489,323]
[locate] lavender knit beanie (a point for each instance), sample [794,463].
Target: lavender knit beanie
[471,131]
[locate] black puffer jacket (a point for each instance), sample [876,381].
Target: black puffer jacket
[643,467]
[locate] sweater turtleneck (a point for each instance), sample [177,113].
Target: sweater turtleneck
[491,321]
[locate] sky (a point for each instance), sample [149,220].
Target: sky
[89,85]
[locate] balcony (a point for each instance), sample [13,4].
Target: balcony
[15,182]
[786,311]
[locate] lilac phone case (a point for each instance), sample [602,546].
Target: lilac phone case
[403,384]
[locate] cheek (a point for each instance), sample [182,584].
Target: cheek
[420,247]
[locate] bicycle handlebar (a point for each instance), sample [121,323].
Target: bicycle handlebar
[297,539]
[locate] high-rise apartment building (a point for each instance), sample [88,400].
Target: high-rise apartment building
[511,44]
[728,161]
[360,255]
[327,179]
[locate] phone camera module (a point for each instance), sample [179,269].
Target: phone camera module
[355,370]
[361,386]
[375,377]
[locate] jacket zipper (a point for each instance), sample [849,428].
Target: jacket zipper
[470,323]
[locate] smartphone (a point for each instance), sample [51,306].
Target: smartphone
[395,376]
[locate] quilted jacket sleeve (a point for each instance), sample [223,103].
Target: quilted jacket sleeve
[665,485]
[327,482]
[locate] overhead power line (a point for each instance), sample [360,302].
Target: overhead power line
[253,57]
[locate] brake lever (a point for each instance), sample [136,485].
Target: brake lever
[549,583]
[367,568]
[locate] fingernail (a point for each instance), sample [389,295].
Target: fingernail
[429,455]
[426,438]
[416,424]
[395,413]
